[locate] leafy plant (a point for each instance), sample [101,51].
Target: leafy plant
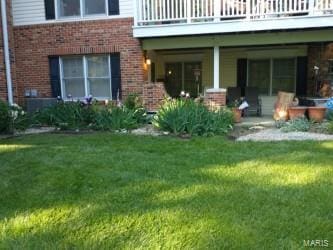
[88,114]
[67,115]
[330,115]
[185,116]
[296,125]
[115,118]
[330,127]
[134,103]
[4,117]
[19,119]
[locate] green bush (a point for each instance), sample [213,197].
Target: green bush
[134,103]
[185,116]
[330,115]
[19,119]
[67,115]
[4,117]
[116,118]
[296,125]
[330,127]
[77,115]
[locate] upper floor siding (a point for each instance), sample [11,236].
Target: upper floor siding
[33,12]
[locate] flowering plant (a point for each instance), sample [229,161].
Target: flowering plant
[18,118]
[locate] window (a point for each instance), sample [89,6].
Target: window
[283,75]
[272,75]
[93,7]
[259,75]
[68,8]
[86,75]
[74,8]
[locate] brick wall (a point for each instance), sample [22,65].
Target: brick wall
[35,43]
[215,98]
[153,95]
[318,54]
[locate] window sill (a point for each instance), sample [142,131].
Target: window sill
[82,19]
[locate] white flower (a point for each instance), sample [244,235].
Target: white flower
[14,114]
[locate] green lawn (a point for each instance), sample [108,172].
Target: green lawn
[104,191]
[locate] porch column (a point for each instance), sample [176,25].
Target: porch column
[216,67]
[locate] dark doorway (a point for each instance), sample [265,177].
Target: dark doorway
[183,76]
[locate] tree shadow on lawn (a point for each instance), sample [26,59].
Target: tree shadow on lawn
[141,191]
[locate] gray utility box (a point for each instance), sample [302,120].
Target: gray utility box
[34,104]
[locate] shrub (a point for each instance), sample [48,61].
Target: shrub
[67,115]
[185,116]
[116,118]
[87,114]
[296,125]
[4,117]
[330,115]
[134,103]
[19,119]
[330,127]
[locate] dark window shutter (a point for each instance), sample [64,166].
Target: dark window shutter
[49,9]
[242,74]
[55,76]
[113,7]
[301,76]
[115,76]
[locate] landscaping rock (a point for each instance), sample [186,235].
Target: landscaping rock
[277,135]
[147,130]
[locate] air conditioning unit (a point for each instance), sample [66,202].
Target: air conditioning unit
[35,104]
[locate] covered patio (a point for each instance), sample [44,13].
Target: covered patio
[280,61]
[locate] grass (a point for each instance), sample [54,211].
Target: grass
[104,191]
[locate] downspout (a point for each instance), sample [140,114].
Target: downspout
[6,51]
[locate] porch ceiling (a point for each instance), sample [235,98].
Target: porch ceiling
[237,40]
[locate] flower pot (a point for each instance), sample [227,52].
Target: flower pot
[317,113]
[237,115]
[296,112]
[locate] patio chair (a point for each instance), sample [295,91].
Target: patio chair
[252,98]
[233,94]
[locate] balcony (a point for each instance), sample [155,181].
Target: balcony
[159,18]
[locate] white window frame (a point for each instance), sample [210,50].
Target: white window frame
[271,62]
[85,77]
[82,14]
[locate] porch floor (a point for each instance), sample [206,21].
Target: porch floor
[265,121]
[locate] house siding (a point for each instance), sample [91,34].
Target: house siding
[75,38]
[33,12]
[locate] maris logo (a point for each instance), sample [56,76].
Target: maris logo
[316,243]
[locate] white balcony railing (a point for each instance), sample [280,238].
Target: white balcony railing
[159,12]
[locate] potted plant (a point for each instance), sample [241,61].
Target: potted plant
[236,111]
[295,112]
[317,113]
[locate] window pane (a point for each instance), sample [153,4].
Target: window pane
[100,87]
[259,75]
[69,8]
[283,75]
[98,66]
[74,87]
[72,67]
[92,7]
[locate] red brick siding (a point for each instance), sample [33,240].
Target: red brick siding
[36,42]
[215,99]
[153,95]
